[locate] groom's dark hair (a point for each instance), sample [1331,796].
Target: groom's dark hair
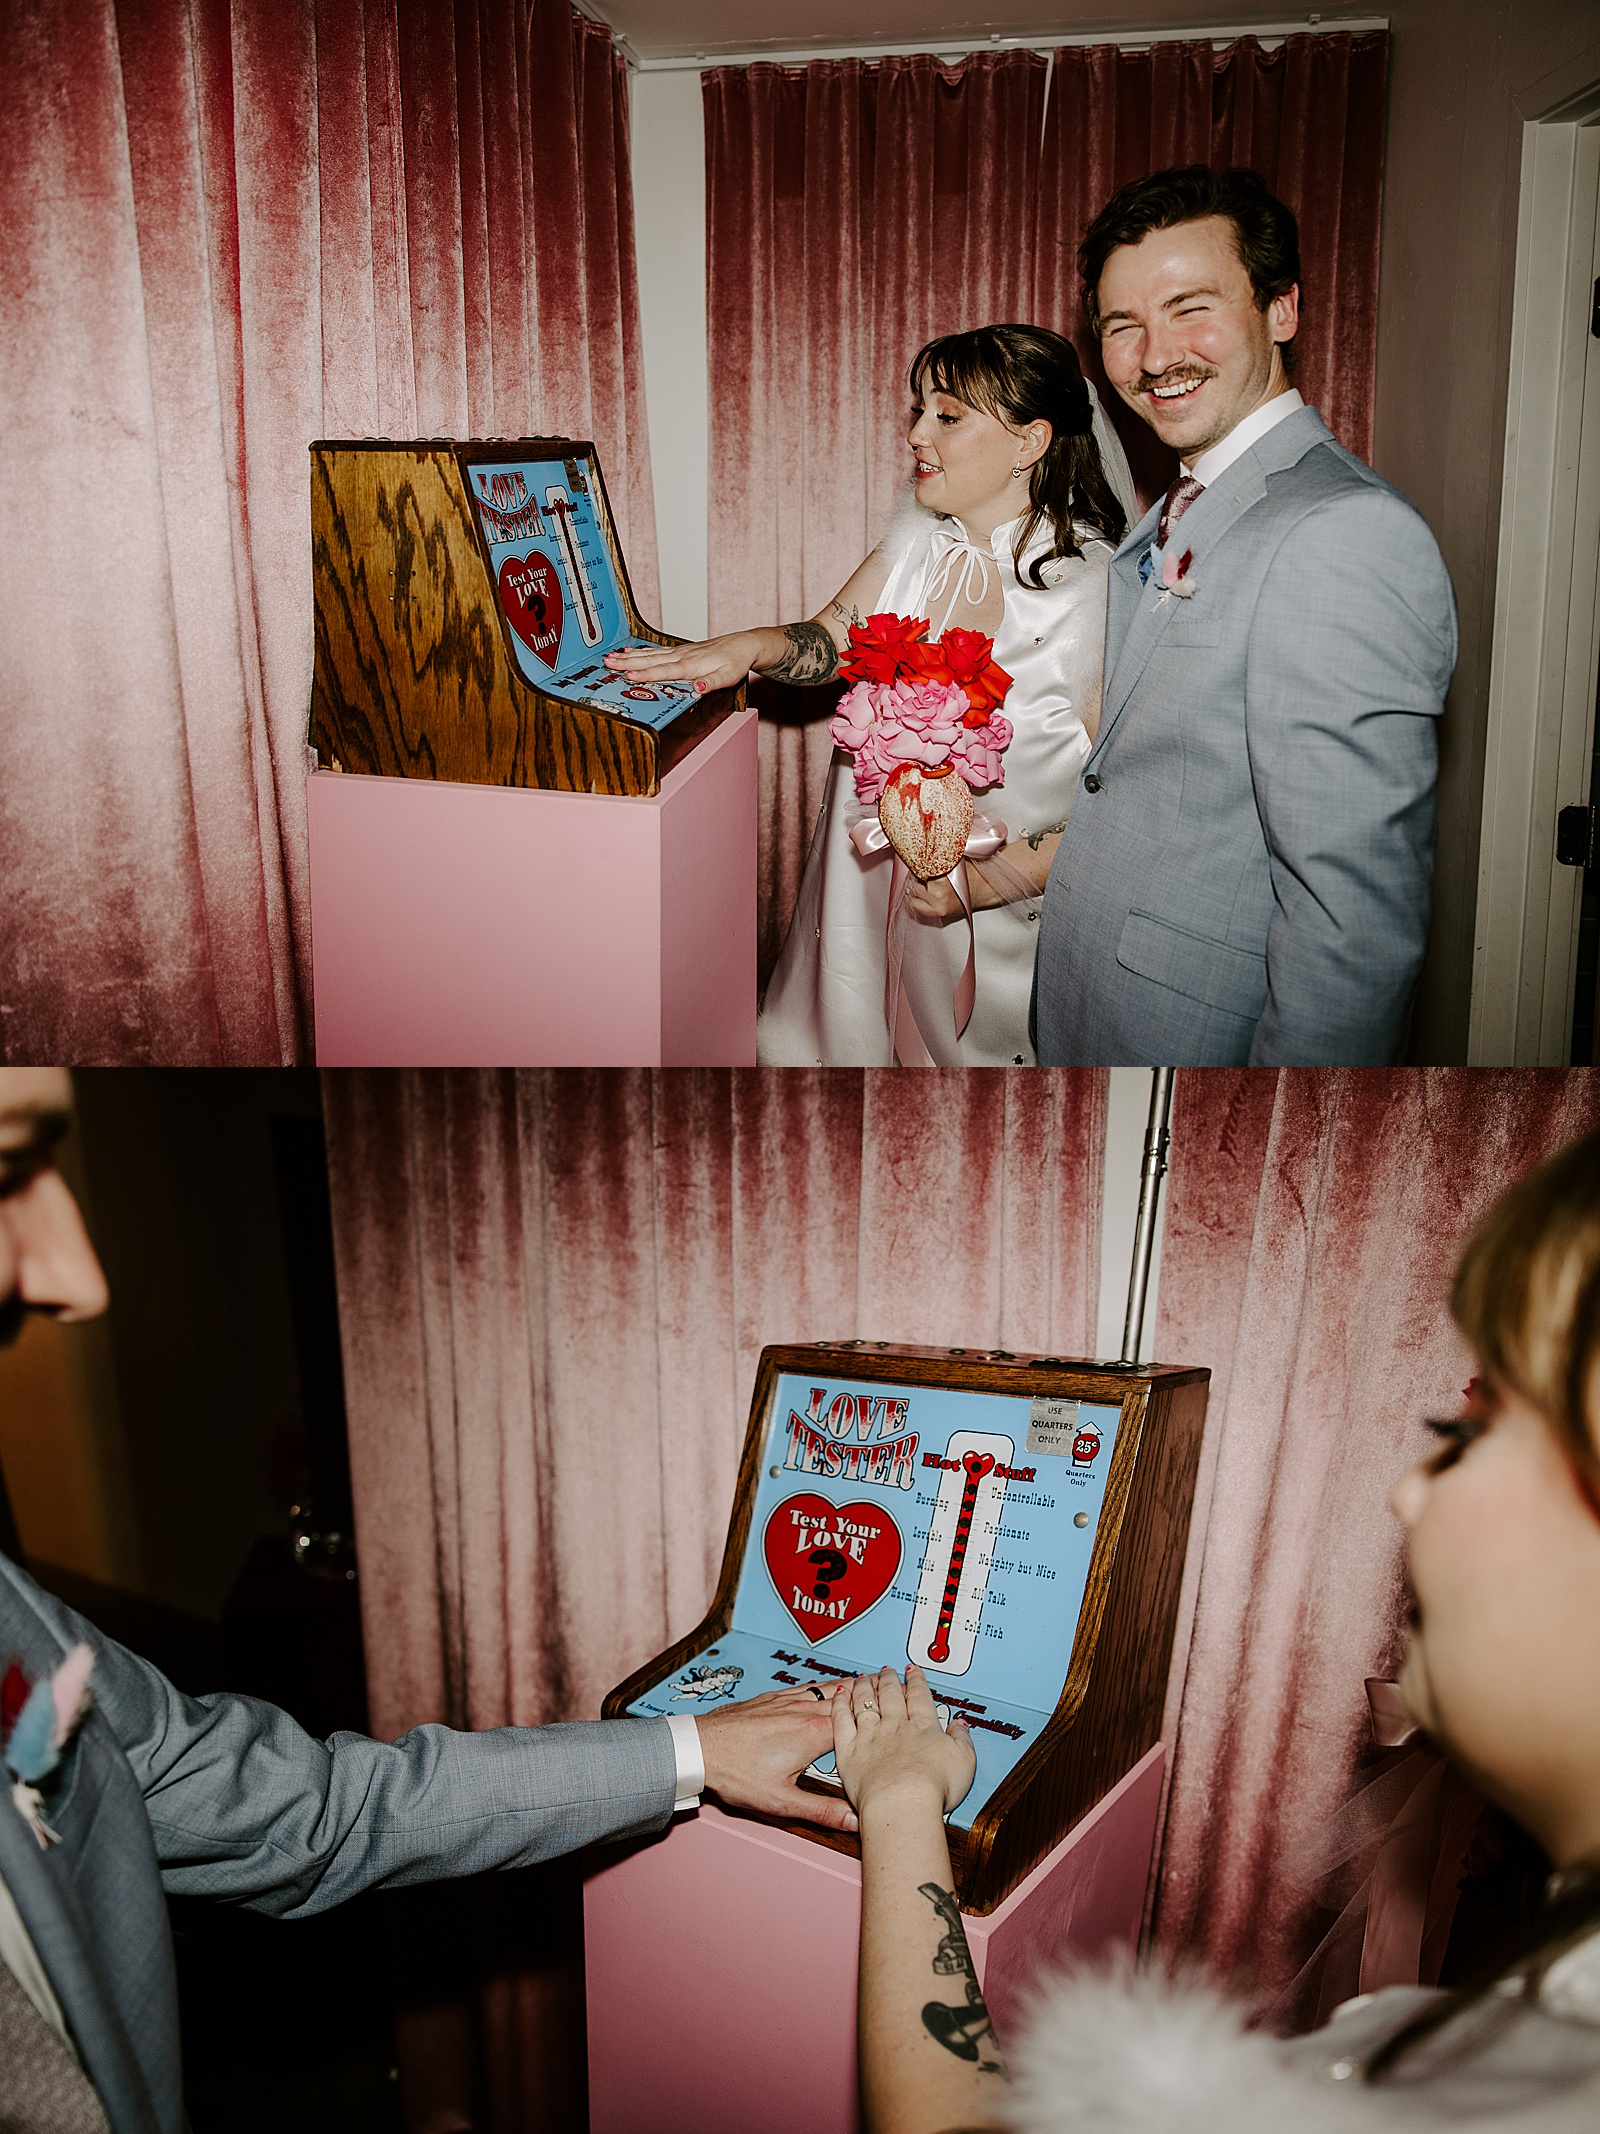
[1265,230]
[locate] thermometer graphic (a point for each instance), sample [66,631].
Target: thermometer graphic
[559,506]
[955,1564]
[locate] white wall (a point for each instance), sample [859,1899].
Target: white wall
[669,205]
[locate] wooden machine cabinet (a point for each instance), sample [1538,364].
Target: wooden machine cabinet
[462,617]
[1015,1524]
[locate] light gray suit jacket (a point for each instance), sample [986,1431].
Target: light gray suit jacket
[221,1796]
[1245,877]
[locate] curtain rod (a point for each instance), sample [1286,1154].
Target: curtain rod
[1268,34]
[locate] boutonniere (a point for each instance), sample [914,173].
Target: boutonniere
[1176,584]
[37,1723]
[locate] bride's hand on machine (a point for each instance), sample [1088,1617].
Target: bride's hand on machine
[891,1748]
[718,663]
[755,1751]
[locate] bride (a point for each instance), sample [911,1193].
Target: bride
[1019,494]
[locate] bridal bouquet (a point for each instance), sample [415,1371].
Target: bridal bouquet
[923,724]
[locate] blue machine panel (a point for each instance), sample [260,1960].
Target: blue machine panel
[557,587]
[922,1523]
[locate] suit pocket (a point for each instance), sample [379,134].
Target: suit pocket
[1194,965]
[1198,630]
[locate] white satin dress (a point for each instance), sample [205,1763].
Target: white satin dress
[825,1004]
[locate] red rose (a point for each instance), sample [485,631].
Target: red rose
[883,648]
[13,1696]
[968,653]
[928,663]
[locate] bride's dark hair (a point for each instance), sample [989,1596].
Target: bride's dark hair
[1023,374]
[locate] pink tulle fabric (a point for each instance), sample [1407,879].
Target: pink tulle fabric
[887,724]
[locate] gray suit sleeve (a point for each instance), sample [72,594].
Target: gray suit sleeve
[245,1805]
[1351,653]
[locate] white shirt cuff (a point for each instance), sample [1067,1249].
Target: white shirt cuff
[690,1759]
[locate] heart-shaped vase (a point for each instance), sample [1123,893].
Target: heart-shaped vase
[829,1562]
[927,817]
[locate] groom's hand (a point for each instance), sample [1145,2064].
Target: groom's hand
[755,1751]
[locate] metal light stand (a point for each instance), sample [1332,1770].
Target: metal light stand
[1156,1141]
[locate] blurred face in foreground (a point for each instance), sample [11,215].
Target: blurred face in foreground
[46,1261]
[1504,1666]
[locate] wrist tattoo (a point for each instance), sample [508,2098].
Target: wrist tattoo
[961,2029]
[1035,838]
[810,655]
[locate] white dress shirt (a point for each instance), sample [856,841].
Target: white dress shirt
[1243,435]
[691,1761]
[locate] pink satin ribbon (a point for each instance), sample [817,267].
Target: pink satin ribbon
[984,840]
[1392,1723]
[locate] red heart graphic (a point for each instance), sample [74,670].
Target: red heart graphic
[977,1464]
[830,1562]
[530,593]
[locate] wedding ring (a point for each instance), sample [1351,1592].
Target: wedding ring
[813,1691]
[867,1705]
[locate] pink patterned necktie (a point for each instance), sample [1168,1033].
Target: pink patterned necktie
[1175,503]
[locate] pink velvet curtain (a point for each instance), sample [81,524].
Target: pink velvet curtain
[228,232]
[852,212]
[1309,116]
[1313,1224]
[553,1290]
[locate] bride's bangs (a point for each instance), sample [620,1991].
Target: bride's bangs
[953,365]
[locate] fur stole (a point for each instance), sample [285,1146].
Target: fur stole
[1132,2052]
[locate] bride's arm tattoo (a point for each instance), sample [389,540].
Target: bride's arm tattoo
[810,655]
[961,2029]
[851,617]
[1035,838]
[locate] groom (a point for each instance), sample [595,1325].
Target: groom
[1245,876]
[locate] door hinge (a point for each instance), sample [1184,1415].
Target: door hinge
[1576,835]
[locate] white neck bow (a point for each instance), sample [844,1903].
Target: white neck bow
[951,542]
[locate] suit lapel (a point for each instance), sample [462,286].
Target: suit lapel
[1144,615]
[1123,588]
[41,1887]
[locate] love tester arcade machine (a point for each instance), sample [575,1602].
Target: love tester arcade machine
[518,857]
[1016,1525]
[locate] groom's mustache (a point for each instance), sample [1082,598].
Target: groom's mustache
[1147,381]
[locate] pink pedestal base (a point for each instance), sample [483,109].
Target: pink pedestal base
[494,926]
[721,1964]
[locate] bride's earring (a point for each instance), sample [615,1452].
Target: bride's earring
[1015,472]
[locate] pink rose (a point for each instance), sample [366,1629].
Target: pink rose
[886,724]
[976,753]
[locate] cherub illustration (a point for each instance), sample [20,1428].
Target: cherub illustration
[709,1682]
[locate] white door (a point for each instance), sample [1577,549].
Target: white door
[1547,613]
